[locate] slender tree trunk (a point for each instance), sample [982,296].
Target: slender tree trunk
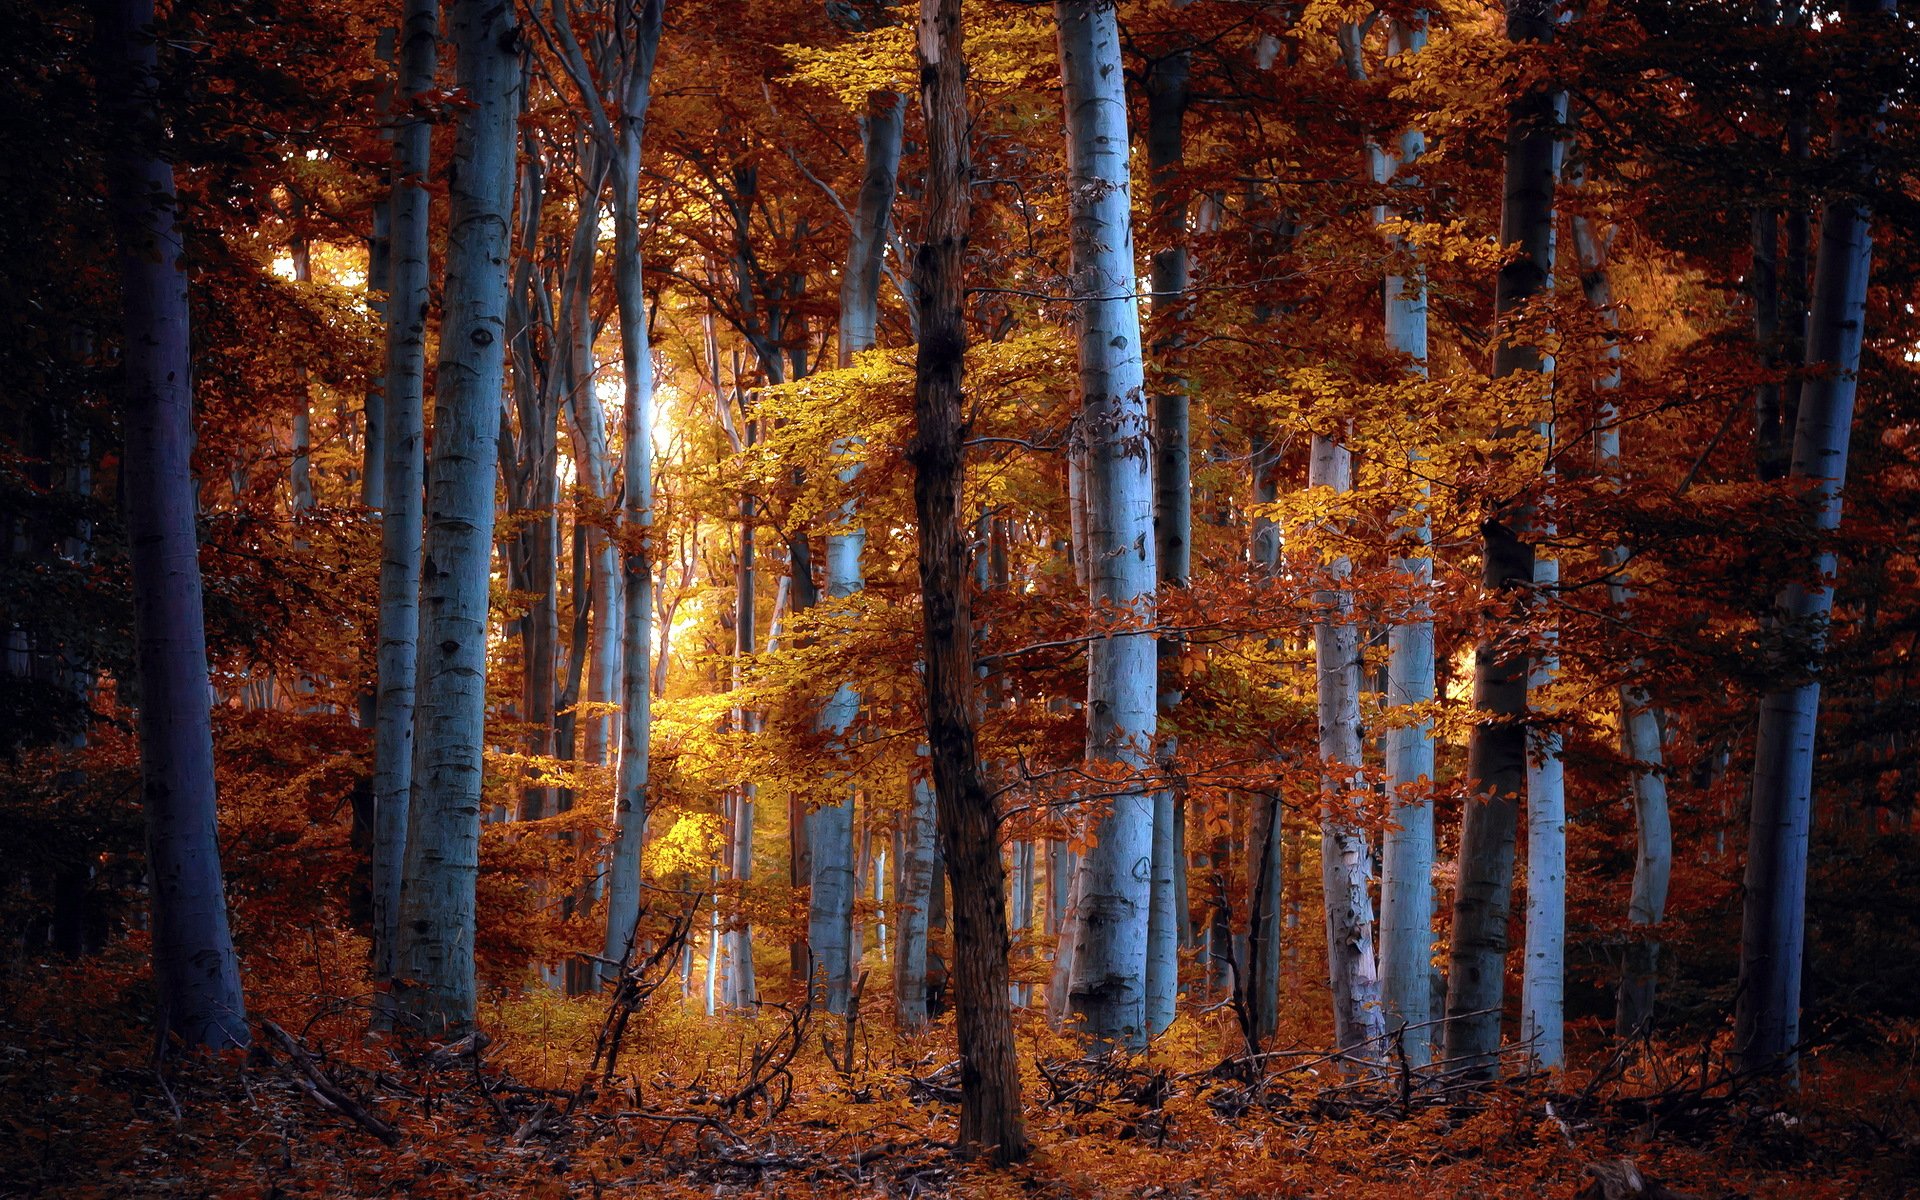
[1497,750]
[1108,985]
[623,126]
[1345,858]
[1639,724]
[1257,956]
[1773,925]
[435,984]
[401,512]
[195,975]
[913,905]
[1167,96]
[830,828]
[990,1112]
[1406,886]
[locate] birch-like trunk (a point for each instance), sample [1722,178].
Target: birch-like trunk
[1406,878]
[990,1110]
[435,986]
[1346,861]
[1497,750]
[1108,984]
[1773,923]
[830,828]
[1639,724]
[1167,97]
[913,903]
[195,975]
[401,511]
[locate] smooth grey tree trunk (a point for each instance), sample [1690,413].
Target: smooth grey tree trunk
[830,828]
[911,911]
[196,978]
[1346,861]
[1167,99]
[435,985]
[1497,749]
[1406,878]
[616,105]
[401,511]
[1773,923]
[1639,724]
[1108,983]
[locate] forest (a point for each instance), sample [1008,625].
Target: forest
[1093,598]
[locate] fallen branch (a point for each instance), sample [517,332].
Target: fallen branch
[324,1091]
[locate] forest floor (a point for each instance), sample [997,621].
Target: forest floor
[778,1106]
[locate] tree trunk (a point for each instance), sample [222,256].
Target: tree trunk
[1173,499]
[401,511]
[913,906]
[1345,858]
[1773,924]
[195,975]
[435,984]
[1639,725]
[990,1113]
[1108,985]
[1497,750]
[1406,884]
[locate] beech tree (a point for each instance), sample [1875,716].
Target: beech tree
[435,983]
[194,971]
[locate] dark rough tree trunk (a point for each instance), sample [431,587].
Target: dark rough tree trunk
[1497,750]
[195,975]
[990,1115]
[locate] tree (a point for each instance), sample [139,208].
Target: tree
[435,986]
[194,971]
[1497,750]
[1108,982]
[990,1115]
[1773,921]
[403,436]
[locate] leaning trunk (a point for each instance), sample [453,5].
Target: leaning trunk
[195,976]
[1773,923]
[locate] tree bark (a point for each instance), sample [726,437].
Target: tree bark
[1108,984]
[435,988]
[1497,750]
[401,511]
[1406,880]
[1773,923]
[990,1111]
[196,978]
[1167,99]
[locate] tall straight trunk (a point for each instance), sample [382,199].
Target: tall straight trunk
[300,470]
[990,1114]
[1639,724]
[401,512]
[1497,749]
[1108,984]
[830,828]
[738,949]
[1167,98]
[435,981]
[1773,923]
[1257,956]
[913,904]
[195,975]
[1406,878]
[1345,858]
